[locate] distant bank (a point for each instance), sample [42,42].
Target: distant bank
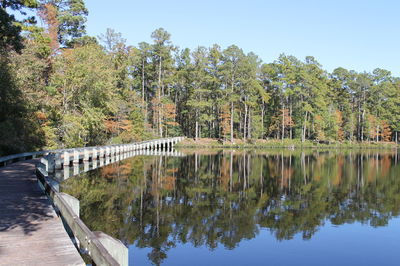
[287,143]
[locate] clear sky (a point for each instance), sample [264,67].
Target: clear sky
[354,34]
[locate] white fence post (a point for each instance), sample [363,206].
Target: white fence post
[66,158]
[76,156]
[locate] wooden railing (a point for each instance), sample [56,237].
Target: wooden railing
[6,160]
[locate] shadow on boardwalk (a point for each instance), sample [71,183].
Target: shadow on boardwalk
[23,204]
[30,231]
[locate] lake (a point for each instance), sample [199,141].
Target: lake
[254,207]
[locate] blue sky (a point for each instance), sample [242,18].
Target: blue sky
[354,34]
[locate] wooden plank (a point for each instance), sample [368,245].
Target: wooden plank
[31,233]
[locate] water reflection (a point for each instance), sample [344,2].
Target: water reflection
[221,198]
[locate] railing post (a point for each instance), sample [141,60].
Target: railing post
[57,161]
[85,154]
[66,172]
[101,152]
[76,169]
[85,166]
[66,158]
[94,154]
[76,156]
[51,163]
[112,150]
[94,164]
[45,161]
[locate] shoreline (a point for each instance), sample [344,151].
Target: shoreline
[285,144]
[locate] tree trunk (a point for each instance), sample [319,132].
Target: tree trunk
[262,121]
[159,99]
[291,128]
[303,135]
[143,82]
[283,121]
[244,122]
[232,111]
[359,122]
[197,125]
[240,123]
[231,122]
[249,125]
[362,127]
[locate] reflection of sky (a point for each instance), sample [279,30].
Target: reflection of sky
[348,244]
[368,195]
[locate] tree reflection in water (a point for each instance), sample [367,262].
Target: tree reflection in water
[211,198]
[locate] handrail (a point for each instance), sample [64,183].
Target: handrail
[102,253]
[86,238]
[8,159]
[5,160]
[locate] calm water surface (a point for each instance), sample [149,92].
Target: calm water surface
[248,207]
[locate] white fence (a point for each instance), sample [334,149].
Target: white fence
[102,248]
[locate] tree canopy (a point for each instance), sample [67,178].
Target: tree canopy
[79,90]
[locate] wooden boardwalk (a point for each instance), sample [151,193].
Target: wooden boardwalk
[31,233]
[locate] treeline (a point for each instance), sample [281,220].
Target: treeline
[62,88]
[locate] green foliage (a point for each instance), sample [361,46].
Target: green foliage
[10,28]
[86,94]
[72,18]
[19,130]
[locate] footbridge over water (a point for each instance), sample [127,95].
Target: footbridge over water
[31,230]
[83,166]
